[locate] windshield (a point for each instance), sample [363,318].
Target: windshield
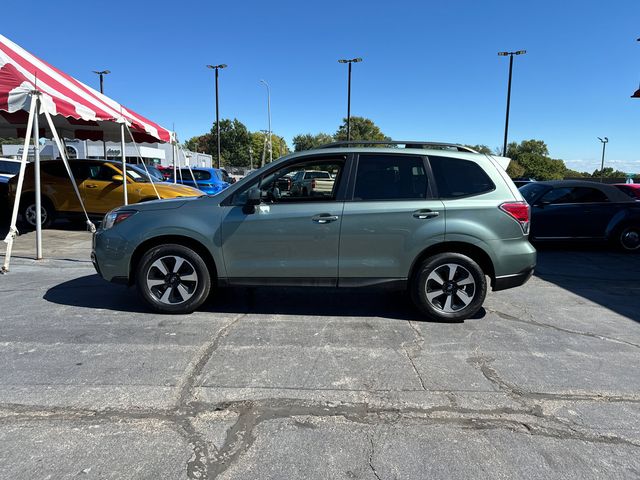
[531,191]
[137,174]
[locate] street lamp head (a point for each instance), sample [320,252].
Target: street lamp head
[503,54]
[521,52]
[216,67]
[342,60]
[352,60]
[102,72]
[357,60]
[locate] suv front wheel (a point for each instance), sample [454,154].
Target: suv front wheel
[449,287]
[173,279]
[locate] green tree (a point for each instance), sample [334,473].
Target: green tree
[200,143]
[11,141]
[481,149]
[533,157]
[361,129]
[515,170]
[608,172]
[569,173]
[259,145]
[307,141]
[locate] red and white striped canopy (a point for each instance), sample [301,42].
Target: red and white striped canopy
[78,111]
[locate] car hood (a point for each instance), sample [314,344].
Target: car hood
[168,204]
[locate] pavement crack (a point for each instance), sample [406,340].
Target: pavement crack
[195,367]
[506,316]
[371,454]
[198,463]
[418,343]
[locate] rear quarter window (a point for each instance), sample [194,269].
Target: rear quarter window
[457,178]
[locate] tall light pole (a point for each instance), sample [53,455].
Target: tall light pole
[506,124]
[604,146]
[269,113]
[102,73]
[349,61]
[216,68]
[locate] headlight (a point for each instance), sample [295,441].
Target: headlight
[114,217]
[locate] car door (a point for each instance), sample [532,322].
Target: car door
[388,219]
[101,192]
[288,238]
[593,213]
[551,214]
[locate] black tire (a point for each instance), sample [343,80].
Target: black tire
[627,238]
[431,296]
[163,287]
[28,209]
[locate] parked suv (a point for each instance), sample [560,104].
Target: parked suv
[436,222]
[100,186]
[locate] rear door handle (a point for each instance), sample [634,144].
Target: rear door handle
[324,218]
[92,186]
[425,214]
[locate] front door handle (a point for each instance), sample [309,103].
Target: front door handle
[425,213]
[92,186]
[324,218]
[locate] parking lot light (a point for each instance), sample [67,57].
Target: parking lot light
[506,124]
[604,146]
[216,68]
[102,73]
[349,61]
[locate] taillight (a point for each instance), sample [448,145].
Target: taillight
[519,211]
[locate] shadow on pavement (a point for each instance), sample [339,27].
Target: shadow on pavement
[93,292]
[602,276]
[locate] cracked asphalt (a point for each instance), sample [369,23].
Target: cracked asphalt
[291,383]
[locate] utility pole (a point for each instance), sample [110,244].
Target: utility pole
[269,114]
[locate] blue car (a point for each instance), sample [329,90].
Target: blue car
[208,180]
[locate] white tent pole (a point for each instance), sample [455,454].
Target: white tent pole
[13,231]
[124,163]
[65,161]
[36,153]
[173,156]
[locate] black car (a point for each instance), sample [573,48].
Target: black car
[582,211]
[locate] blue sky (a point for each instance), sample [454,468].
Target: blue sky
[430,69]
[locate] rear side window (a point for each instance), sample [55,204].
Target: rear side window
[459,178]
[390,177]
[198,174]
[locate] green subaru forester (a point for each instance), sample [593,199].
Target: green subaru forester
[439,220]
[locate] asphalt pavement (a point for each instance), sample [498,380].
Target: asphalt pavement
[291,383]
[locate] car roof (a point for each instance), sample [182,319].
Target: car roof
[612,192]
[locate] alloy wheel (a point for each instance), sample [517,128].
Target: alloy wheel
[630,238]
[450,287]
[172,280]
[30,215]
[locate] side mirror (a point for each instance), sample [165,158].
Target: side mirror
[253,196]
[117,178]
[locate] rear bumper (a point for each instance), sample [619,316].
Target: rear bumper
[511,281]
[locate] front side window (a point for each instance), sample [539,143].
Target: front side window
[101,172]
[197,174]
[390,177]
[310,181]
[459,178]
[11,168]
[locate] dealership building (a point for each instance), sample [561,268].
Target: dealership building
[150,153]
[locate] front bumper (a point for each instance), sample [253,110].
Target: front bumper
[110,255]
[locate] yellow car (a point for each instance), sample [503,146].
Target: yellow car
[99,183]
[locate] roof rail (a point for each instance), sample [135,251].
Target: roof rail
[407,144]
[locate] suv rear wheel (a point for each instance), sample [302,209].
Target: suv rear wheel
[173,279]
[449,287]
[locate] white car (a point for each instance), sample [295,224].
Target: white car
[9,168]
